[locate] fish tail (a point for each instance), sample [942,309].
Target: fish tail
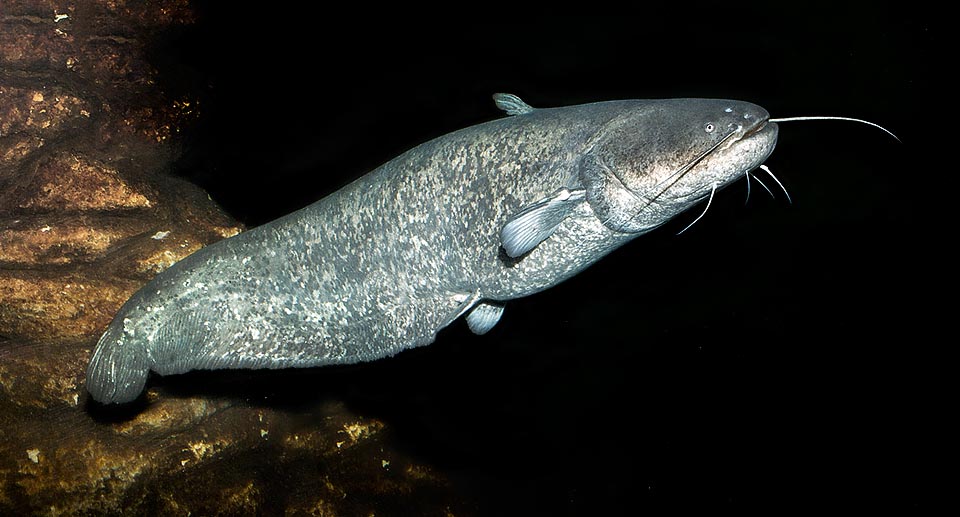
[118,368]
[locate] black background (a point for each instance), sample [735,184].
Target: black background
[774,356]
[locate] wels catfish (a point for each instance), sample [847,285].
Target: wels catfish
[456,226]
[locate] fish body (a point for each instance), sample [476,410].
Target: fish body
[457,225]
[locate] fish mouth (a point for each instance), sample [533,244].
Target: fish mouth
[757,127]
[762,135]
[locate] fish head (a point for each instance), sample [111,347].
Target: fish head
[659,158]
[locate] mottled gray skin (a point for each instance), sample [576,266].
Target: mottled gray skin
[386,262]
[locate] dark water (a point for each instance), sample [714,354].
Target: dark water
[774,356]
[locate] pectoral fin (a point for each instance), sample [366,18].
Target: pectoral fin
[537,222]
[483,317]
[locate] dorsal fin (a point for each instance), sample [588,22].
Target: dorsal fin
[511,104]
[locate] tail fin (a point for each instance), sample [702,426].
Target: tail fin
[118,368]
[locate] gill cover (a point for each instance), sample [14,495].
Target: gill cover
[612,202]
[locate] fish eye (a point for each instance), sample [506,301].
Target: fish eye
[709,127]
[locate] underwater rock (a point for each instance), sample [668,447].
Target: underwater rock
[87,216]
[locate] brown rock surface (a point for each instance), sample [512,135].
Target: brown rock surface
[86,218]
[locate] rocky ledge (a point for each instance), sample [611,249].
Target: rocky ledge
[88,214]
